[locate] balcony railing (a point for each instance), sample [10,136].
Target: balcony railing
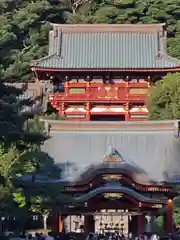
[59,97]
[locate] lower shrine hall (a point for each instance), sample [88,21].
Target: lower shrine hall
[113,195]
[116,195]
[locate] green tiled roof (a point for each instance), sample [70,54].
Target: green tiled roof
[91,49]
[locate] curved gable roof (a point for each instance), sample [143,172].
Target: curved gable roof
[114,189]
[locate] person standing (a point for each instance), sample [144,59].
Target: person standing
[49,237]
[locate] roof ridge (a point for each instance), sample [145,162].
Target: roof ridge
[164,55]
[36,61]
[168,57]
[109,27]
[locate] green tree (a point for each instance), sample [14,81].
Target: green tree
[14,113]
[24,35]
[24,26]
[8,160]
[21,136]
[158,225]
[36,204]
[177,216]
[164,98]
[42,199]
[11,163]
[39,206]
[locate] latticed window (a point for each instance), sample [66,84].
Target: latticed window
[77,90]
[138,90]
[75,116]
[139,116]
[35,217]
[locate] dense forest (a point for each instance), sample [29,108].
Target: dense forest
[24,26]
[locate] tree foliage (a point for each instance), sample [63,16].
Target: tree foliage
[20,155]
[21,136]
[24,26]
[14,117]
[177,216]
[8,162]
[158,225]
[164,98]
[42,199]
[36,204]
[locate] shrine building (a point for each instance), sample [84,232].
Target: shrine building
[103,72]
[119,175]
[113,196]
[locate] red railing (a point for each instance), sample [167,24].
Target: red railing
[137,97]
[95,98]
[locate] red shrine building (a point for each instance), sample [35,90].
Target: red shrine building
[112,196]
[103,72]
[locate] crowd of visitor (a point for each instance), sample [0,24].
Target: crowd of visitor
[93,236]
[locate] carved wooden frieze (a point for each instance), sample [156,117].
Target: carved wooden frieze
[108,92]
[113,195]
[157,206]
[109,177]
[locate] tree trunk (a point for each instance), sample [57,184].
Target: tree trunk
[74,10]
[45,222]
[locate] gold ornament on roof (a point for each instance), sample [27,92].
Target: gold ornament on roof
[112,177]
[157,206]
[113,157]
[113,195]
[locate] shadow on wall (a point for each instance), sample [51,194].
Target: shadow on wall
[69,170]
[155,152]
[172,168]
[47,166]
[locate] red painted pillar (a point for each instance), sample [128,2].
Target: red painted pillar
[168,217]
[66,88]
[56,222]
[127,116]
[62,111]
[140,224]
[87,104]
[59,223]
[127,112]
[87,111]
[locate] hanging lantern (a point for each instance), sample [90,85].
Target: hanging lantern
[88,79]
[66,78]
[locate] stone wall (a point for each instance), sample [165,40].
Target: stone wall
[151,145]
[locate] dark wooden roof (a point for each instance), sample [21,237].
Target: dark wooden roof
[114,162]
[117,189]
